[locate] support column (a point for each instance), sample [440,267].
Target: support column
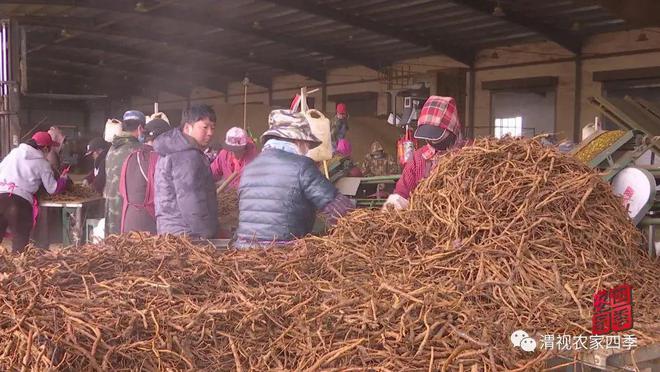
[324,96]
[10,42]
[577,126]
[452,82]
[270,97]
[472,95]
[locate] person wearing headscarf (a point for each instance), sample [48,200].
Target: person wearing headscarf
[282,189]
[440,127]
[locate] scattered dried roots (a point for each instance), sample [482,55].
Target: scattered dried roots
[228,209]
[503,236]
[74,193]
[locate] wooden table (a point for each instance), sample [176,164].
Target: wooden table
[71,216]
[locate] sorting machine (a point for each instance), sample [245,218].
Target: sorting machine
[368,192]
[614,153]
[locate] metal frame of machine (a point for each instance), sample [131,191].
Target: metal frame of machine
[641,121]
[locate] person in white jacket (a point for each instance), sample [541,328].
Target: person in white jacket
[22,172]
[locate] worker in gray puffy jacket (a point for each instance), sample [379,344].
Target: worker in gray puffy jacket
[282,189]
[186,202]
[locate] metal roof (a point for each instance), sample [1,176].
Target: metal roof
[173,45]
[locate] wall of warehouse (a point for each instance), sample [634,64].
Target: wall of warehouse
[604,52]
[364,129]
[612,51]
[39,114]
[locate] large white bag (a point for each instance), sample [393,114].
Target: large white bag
[321,129]
[98,231]
[590,129]
[320,126]
[112,128]
[159,115]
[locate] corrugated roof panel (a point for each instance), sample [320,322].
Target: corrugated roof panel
[275,33]
[394,7]
[354,5]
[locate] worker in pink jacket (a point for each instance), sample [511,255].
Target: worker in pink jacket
[440,127]
[238,151]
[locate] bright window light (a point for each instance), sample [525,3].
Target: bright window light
[510,126]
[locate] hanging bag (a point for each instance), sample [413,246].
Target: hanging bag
[112,129]
[320,126]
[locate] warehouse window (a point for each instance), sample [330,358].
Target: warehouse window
[510,126]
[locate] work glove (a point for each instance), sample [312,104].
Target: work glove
[396,201]
[63,181]
[65,172]
[61,184]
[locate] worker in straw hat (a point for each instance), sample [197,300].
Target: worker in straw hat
[378,163]
[238,150]
[282,189]
[439,126]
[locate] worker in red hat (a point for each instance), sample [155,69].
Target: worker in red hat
[439,126]
[22,172]
[339,125]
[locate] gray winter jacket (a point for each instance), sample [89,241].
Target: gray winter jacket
[185,199]
[279,195]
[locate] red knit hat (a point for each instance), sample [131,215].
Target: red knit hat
[44,139]
[341,108]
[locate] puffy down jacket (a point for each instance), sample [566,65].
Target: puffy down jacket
[280,194]
[185,192]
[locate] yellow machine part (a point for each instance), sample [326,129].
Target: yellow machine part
[598,144]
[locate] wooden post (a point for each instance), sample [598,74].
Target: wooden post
[246,81]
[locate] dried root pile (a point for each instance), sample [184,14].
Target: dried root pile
[228,209]
[75,193]
[504,235]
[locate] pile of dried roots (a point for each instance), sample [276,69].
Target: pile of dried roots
[74,193]
[503,236]
[228,209]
